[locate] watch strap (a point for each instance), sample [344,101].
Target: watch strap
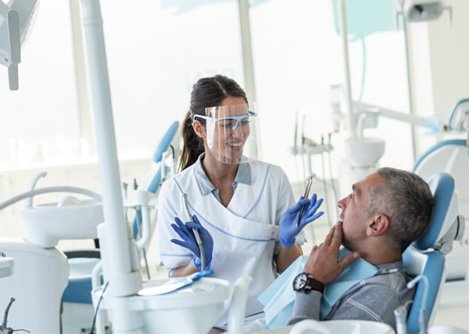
[313,284]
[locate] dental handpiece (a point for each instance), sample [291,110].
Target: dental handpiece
[305,195]
[196,234]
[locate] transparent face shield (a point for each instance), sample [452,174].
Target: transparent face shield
[227,129]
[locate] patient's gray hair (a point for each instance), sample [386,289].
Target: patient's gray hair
[406,200]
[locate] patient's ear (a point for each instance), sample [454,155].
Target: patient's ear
[198,129]
[378,225]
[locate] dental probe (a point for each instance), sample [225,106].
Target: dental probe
[306,195]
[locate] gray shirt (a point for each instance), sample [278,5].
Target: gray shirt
[372,299]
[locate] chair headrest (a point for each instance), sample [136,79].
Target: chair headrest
[444,211]
[458,114]
[165,141]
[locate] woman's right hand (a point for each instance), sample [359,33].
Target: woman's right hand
[189,241]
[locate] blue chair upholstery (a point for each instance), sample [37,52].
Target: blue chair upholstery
[166,141]
[81,264]
[425,257]
[451,156]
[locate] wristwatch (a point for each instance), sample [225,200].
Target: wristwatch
[305,283]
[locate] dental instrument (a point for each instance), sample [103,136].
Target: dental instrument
[4,329]
[161,287]
[305,195]
[196,234]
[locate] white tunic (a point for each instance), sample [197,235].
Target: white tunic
[244,233]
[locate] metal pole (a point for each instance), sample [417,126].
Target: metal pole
[125,278]
[410,87]
[84,113]
[248,67]
[350,122]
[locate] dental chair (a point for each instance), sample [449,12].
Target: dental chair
[41,270]
[452,156]
[36,310]
[425,258]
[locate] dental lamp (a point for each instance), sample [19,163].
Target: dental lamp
[423,10]
[15,20]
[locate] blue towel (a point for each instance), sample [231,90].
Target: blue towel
[278,299]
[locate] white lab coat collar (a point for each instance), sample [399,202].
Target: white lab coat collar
[243,176]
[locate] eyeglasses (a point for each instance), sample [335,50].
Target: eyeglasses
[229,122]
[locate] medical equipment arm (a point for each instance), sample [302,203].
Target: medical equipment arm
[288,227]
[47,190]
[3,326]
[185,232]
[14,23]
[433,123]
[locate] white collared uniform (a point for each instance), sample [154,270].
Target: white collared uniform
[244,234]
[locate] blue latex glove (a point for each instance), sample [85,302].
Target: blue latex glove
[188,240]
[288,228]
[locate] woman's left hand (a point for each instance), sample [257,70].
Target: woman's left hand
[288,223]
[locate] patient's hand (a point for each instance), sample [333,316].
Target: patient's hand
[323,262]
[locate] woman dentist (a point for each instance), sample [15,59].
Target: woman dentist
[242,208]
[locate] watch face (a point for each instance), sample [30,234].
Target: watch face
[300,282]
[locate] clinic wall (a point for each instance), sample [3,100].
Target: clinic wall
[449,50]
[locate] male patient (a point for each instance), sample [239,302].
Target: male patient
[384,214]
